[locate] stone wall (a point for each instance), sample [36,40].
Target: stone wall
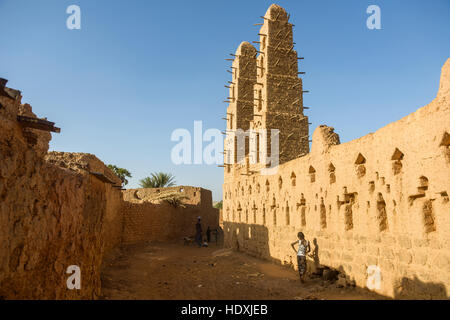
[381,200]
[149,220]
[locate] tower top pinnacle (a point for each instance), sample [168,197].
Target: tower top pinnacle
[275,12]
[246,49]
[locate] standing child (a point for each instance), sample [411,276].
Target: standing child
[198,232]
[208,235]
[303,249]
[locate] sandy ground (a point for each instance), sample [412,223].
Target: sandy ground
[174,271]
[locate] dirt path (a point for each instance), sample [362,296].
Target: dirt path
[174,271]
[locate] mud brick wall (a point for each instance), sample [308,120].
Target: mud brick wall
[112,231]
[112,224]
[148,221]
[59,209]
[52,215]
[381,200]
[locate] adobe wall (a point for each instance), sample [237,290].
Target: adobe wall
[59,209]
[148,220]
[51,216]
[112,225]
[379,200]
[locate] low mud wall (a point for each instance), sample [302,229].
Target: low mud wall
[147,221]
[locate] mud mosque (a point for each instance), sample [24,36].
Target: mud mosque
[380,202]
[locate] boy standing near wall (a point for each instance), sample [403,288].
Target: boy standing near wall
[208,235]
[303,249]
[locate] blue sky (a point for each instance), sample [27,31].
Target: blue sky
[139,69]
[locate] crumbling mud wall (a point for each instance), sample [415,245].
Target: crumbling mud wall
[52,213]
[380,202]
[60,209]
[112,224]
[148,217]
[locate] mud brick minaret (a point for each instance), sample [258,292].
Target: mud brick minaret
[266,93]
[279,90]
[240,108]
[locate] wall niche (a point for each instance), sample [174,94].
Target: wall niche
[323,214]
[332,172]
[381,213]
[428,217]
[360,166]
[445,145]
[312,174]
[293,179]
[288,216]
[396,159]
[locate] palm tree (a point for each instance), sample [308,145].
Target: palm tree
[158,180]
[122,173]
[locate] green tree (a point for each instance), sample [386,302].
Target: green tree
[158,180]
[219,205]
[122,173]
